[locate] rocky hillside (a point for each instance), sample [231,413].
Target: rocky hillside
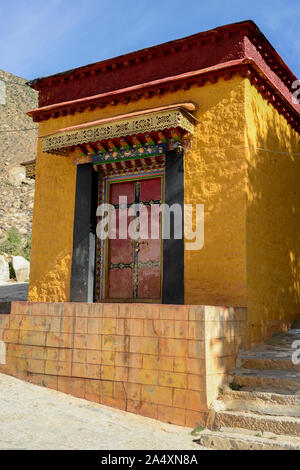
[18,140]
[16,146]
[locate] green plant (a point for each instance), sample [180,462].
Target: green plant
[27,249]
[197,430]
[12,274]
[236,387]
[257,435]
[13,244]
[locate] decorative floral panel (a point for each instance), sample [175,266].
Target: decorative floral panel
[146,123]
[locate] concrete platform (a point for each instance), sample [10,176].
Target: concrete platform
[14,292]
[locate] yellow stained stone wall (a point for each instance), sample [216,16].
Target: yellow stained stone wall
[215,175]
[273,219]
[52,234]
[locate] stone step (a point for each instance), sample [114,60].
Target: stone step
[282,340]
[238,439]
[276,353]
[281,381]
[266,360]
[287,425]
[261,402]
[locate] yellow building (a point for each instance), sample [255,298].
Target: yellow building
[148,319]
[207,120]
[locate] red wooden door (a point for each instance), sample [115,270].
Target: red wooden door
[134,263]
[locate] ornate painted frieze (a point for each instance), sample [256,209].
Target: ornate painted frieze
[131,149]
[146,123]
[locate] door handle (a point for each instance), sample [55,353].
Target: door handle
[138,243]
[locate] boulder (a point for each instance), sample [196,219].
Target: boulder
[7,257]
[4,269]
[16,175]
[21,267]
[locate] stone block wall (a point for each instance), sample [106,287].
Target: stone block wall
[164,362]
[226,332]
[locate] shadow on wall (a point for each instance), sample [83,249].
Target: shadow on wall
[225,334]
[273,222]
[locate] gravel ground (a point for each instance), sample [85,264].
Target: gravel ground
[33,417]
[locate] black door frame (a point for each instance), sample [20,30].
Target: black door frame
[84,233]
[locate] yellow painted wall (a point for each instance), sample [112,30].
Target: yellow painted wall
[214,176]
[242,165]
[273,219]
[52,232]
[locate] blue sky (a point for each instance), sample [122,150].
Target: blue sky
[39,38]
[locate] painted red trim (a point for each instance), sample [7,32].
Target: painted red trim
[218,34]
[141,55]
[207,56]
[89,101]
[182,57]
[247,68]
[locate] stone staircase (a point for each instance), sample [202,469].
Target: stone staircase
[260,410]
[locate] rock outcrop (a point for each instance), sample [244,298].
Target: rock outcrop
[4,270]
[21,267]
[18,144]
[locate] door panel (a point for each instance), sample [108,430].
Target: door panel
[149,283]
[134,265]
[120,283]
[122,189]
[151,189]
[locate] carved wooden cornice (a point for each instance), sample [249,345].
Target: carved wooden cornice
[137,124]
